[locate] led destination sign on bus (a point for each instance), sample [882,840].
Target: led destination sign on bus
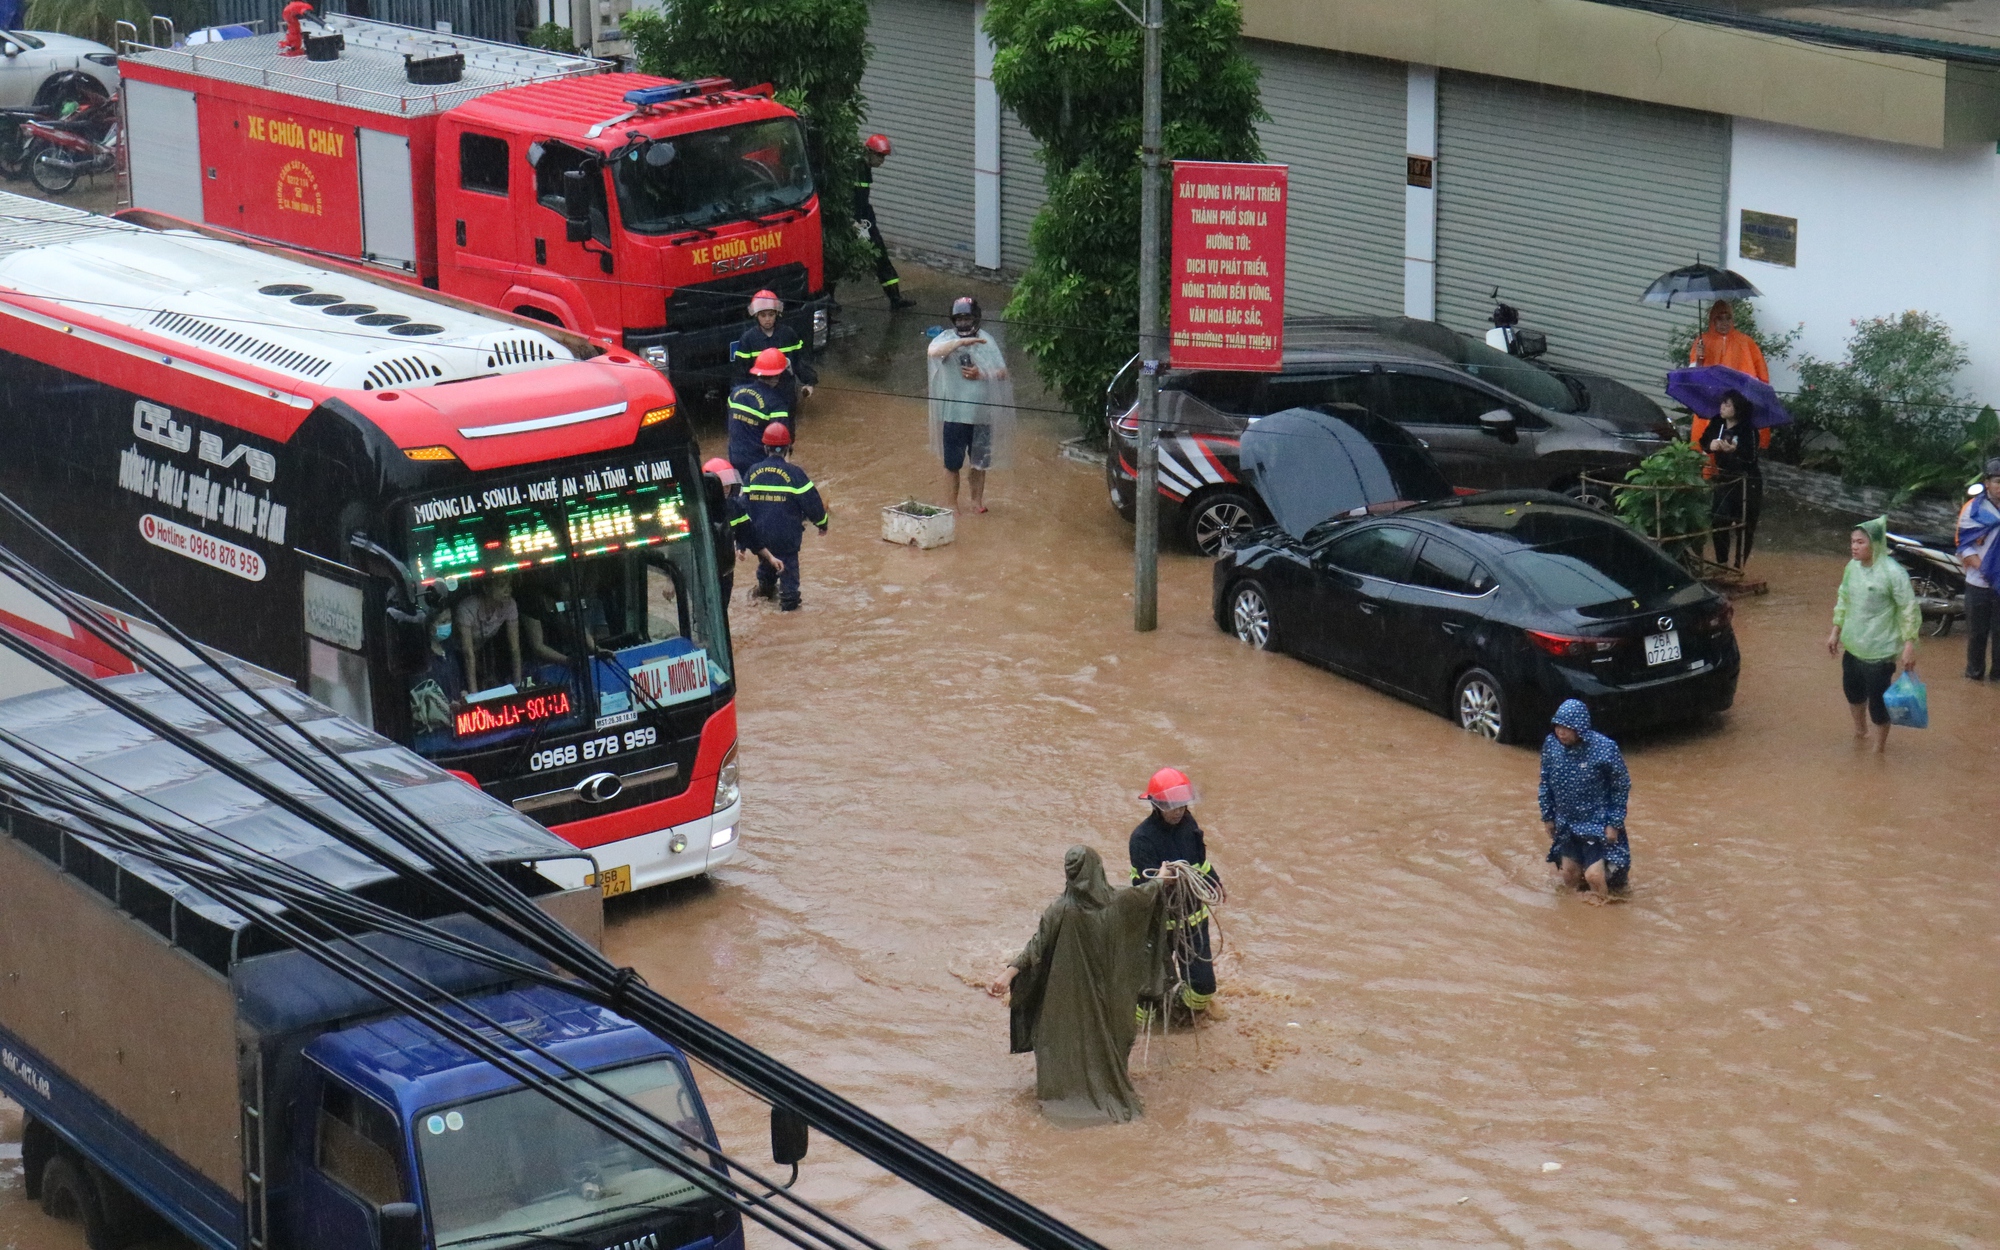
[519,525]
[512,711]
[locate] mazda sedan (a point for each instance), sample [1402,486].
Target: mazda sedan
[1491,609]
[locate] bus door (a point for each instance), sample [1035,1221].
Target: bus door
[338,603]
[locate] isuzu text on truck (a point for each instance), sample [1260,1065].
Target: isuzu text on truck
[632,209]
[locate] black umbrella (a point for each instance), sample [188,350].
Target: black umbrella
[1698,282]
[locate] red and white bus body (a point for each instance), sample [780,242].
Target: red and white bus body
[313,471]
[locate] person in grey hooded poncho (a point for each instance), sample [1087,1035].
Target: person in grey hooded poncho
[1076,990]
[971,401]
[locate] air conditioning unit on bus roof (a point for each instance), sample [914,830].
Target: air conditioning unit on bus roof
[312,324]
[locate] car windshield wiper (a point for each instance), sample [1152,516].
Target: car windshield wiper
[543,1234]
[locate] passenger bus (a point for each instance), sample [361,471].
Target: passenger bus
[482,536]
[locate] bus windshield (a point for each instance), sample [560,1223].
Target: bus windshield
[571,600]
[516,1168]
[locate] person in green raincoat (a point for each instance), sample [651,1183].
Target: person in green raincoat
[1076,990]
[1875,623]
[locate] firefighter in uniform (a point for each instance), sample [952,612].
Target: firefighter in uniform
[754,403]
[764,331]
[782,500]
[875,151]
[1168,834]
[729,524]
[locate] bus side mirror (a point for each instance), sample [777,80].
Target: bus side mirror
[576,205]
[788,1137]
[398,1226]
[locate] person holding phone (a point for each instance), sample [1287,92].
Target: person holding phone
[972,401]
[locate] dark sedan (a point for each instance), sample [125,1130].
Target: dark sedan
[1491,609]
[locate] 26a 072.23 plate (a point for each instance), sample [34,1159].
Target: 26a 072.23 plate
[1663,648]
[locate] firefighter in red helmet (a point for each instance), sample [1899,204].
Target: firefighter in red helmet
[1167,835]
[765,331]
[874,152]
[782,501]
[754,403]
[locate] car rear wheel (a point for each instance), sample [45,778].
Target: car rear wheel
[1480,706]
[1250,617]
[1216,520]
[1589,495]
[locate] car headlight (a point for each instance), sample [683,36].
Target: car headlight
[820,326]
[726,789]
[106,59]
[721,838]
[655,356]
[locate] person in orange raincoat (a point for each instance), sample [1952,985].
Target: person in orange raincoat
[1723,345]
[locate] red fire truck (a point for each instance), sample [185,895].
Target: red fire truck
[481,536]
[632,209]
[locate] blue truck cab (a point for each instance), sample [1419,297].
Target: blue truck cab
[179,1063]
[403,1115]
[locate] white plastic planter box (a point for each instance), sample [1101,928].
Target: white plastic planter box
[915,524]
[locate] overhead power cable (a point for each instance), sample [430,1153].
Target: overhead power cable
[488,897]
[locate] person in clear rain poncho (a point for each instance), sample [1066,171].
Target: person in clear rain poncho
[972,402]
[1076,989]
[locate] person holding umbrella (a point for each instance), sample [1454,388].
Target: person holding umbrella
[1724,345]
[1740,495]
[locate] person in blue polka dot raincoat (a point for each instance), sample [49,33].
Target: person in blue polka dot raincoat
[1583,795]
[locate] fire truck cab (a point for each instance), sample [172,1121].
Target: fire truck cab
[632,209]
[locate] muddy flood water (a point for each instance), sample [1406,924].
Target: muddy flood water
[1786,1038]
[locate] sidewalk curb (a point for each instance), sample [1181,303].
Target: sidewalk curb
[1080,450]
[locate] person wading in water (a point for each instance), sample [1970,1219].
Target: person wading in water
[1076,989]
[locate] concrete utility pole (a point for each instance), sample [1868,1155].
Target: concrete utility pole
[1152,344]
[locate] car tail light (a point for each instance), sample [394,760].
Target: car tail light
[1129,423]
[1569,647]
[1720,619]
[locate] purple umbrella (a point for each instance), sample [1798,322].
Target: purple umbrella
[1702,391]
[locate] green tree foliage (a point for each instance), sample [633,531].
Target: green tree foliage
[812,51]
[1667,499]
[552,37]
[91,19]
[1892,404]
[1071,71]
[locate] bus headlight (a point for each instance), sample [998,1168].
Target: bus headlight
[721,838]
[726,789]
[819,328]
[655,356]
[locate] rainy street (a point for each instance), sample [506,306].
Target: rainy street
[1786,1038]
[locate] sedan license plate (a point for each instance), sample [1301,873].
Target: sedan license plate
[615,881]
[1663,648]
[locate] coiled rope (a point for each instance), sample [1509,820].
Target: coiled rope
[1188,893]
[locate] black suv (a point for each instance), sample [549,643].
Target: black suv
[1491,421]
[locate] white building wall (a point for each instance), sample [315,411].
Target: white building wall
[1882,228]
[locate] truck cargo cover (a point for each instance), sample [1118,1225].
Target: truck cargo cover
[129,757]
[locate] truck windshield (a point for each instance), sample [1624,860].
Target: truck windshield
[507,1170]
[713,176]
[541,617]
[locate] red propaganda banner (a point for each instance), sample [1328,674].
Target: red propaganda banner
[1228,285]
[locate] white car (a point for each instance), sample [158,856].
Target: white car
[41,67]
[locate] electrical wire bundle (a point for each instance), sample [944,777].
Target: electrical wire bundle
[344,803]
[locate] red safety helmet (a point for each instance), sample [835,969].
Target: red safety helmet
[1170,787]
[777,434]
[724,471]
[878,144]
[770,363]
[766,301]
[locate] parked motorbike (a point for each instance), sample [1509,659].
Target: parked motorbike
[59,151]
[1936,576]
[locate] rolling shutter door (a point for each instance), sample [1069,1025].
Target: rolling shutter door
[388,212]
[1022,192]
[919,93]
[163,148]
[1571,204]
[1338,121]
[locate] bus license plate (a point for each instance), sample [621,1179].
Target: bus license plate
[1663,648]
[615,881]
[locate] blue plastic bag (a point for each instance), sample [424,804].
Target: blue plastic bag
[1908,705]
